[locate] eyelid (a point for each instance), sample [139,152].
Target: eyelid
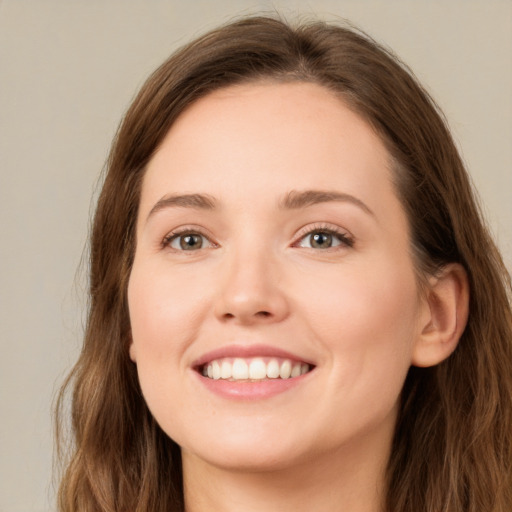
[346,238]
[186,230]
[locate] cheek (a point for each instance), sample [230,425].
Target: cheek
[164,316]
[165,310]
[367,318]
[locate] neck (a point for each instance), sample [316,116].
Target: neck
[341,481]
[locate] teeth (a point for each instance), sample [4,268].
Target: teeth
[225,370]
[254,369]
[240,370]
[216,370]
[257,369]
[273,369]
[296,370]
[286,370]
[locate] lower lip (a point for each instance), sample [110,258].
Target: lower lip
[244,390]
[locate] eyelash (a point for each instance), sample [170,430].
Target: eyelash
[345,239]
[169,238]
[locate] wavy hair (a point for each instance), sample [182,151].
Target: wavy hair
[452,449]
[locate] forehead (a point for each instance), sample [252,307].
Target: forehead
[268,137]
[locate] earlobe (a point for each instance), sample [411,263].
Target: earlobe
[131,351]
[447,305]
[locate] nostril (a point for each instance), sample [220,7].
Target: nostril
[248,317]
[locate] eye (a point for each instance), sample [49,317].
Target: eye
[187,241]
[324,239]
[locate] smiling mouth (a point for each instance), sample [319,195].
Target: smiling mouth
[253,369]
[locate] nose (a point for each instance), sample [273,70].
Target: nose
[251,291]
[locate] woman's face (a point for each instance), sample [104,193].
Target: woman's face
[272,254]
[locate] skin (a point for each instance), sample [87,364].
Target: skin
[354,309]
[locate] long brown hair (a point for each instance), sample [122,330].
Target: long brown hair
[452,449]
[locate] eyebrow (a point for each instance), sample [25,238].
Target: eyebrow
[293,200]
[301,199]
[198,201]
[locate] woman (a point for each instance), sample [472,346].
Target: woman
[295,304]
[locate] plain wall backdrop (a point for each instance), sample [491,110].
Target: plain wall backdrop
[68,70]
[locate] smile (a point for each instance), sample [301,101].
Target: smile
[253,369]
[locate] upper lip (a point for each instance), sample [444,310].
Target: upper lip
[245,351]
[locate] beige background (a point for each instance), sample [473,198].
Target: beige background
[68,70]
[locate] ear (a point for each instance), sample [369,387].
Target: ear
[445,316]
[131,350]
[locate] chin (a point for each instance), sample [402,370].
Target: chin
[252,459]
[246,450]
